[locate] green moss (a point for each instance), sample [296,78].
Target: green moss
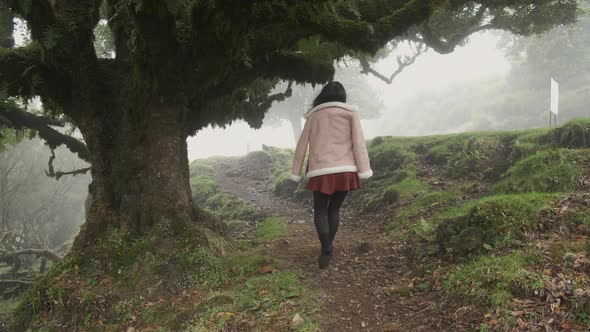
[494,280]
[7,309]
[409,186]
[544,171]
[573,134]
[431,200]
[390,154]
[271,228]
[262,301]
[491,222]
[49,291]
[528,142]
[578,217]
[480,154]
[209,195]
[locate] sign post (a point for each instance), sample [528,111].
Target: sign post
[554,102]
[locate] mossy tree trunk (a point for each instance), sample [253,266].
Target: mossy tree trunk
[140,170]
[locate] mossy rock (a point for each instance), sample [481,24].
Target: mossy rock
[491,222]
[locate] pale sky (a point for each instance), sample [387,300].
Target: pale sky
[477,60]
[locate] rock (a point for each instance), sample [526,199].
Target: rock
[131,329]
[296,322]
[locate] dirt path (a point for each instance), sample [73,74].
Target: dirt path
[366,286]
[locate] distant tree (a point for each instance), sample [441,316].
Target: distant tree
[37,213]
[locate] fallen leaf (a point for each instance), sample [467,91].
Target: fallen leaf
[265,269]
[224,313]
[517,313]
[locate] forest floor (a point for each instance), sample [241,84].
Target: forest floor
[369,284]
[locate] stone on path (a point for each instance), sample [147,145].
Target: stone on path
[296,322]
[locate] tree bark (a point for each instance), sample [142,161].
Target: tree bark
[140,174]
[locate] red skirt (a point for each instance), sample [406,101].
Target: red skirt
[330,183]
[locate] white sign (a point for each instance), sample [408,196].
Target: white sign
[554,97]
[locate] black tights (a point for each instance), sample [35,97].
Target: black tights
[326,210]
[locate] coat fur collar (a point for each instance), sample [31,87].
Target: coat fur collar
[347,107]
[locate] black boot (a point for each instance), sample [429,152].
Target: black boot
[326,253]
[330,250]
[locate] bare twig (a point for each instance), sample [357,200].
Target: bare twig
[402,63]
[52,173]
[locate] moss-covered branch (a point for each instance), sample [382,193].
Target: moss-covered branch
[297,67]
[248,103]
[6,25]
[17,118]
[21,70]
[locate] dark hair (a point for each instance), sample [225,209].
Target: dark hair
[333,91]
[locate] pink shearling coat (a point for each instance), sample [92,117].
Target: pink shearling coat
[336,142]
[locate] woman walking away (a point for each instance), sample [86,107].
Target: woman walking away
[337,159]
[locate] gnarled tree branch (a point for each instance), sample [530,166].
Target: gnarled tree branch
[57,175]
[402,63]
[37,252]
[19,119]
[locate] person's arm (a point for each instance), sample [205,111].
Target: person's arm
[300,150]
[359,148]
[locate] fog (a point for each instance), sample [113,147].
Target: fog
[480,59]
